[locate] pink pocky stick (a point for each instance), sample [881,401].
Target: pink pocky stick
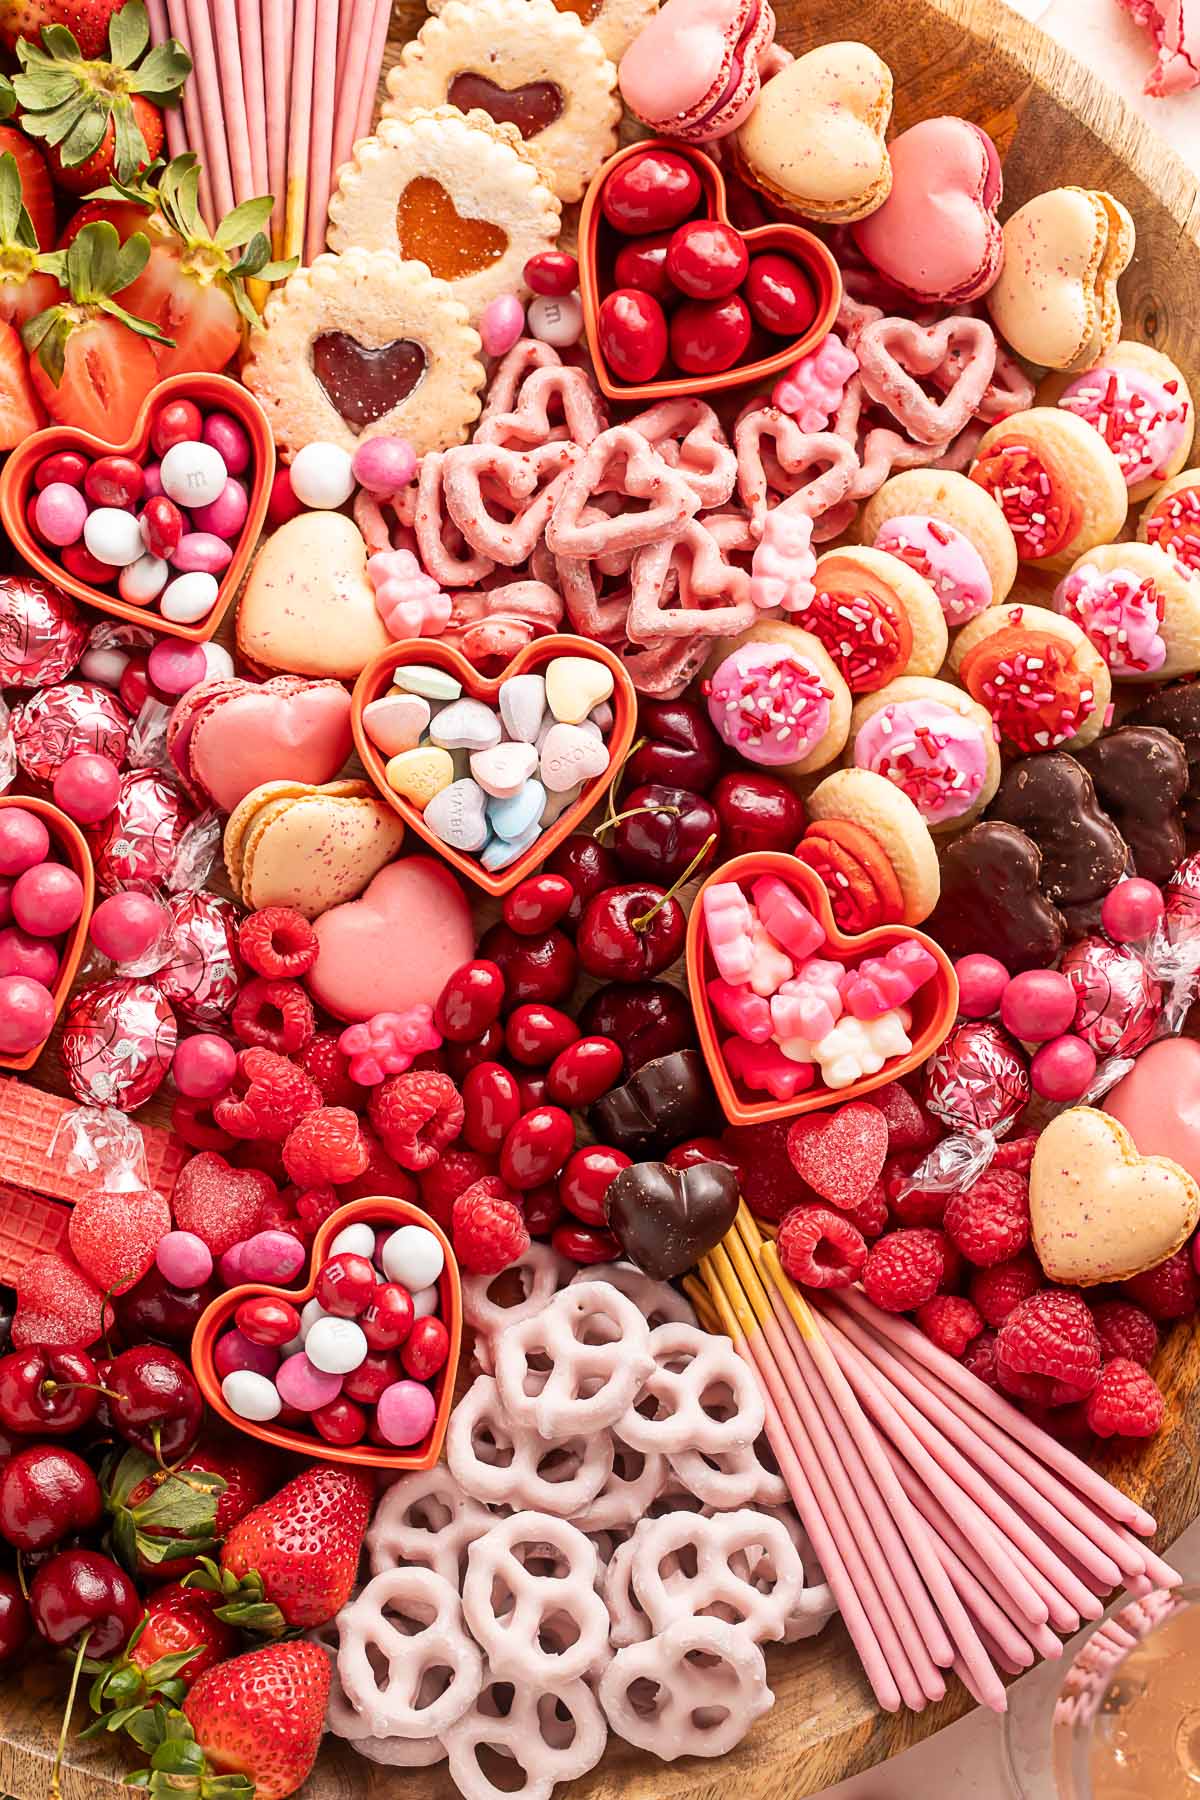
[193,120]
[277,75]
[376,45]
[173,122]
[227,37]
[204,74]
[320,162]
[249,14]
[299,126]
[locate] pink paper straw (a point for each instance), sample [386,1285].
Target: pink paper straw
[204,74]
[254,91]
[299,126]
[277,65]
[233,88]
[160,31]
[320,166]
[376,44]
[193,119]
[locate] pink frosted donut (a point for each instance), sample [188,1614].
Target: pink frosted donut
[1121,612]
[933,753]
[947,559]
[770,703]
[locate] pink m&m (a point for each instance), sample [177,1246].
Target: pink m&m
[404,1412]
[225,515]
[271,1256]
[303,1385]
[229,439]
[184,1260]
[60,513]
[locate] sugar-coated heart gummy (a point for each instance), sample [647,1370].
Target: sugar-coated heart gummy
[840,1155]
[57,1305]
[222,1205]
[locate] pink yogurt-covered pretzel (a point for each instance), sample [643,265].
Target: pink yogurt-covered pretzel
[554,403]
[551,1734]
[628,1624]
[379,533]
[685,588]
[698,1396]
[386,1686]
[540,1270]
[657,1301]
[740,1009]
[504,1464]
[426,1519]
[726,1479]
[638,1478]
[684,1567]
[512,371]
[882,982]
[514,1638]
[522,485]
[811,1004]
[410,602]
[620,460]
[893,352]
[492,624]
[764,1069]
[811,390]
[443,550]
[786,917]
[729,926]
[774,456]
[709,1682]
[689,436]
[880,450]
[784,564]
[598,1347]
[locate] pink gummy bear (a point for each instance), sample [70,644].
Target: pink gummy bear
[880,983]
[389,1043]
[787,918]
[410,602]
[741,1010]
[729,923]
[813,388]
[784,564]
[763,1068]
[810,1004]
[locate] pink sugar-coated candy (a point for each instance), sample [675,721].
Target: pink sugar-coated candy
[303,1385]
[60,513]
[203,1066]
[740,1009]
[124,926]
[729,923]
[48,899]
[810,1005]
[6,888]
[283,504]
[404,1412]
[201,552]
[271,1256]
[229,1267]
[86,787]
[21,954]
[175,667]
[384,465]
[234,1350]
[24,840]
[981,984]
[389,1043]
[1038,1005]
[184,1260]
[230,438]
[881,983]
[501,324]
[763,1068]
[1131,910]
[225,515]
[786,917]
[410,602]
[152,485]
[1062,1070]
[26,1014]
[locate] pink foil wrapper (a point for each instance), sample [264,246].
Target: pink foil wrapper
[978,1080]
[135,846]
[117,1043]
[74,718]
[41,633]
[1118,1001]
[203,972]
[1183,901]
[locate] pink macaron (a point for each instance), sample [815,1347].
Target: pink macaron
[936,235]
[693,72]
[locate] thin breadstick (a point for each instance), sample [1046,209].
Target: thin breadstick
[299,126]
[320,160]
[254,91]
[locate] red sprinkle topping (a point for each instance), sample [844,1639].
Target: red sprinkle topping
[1031,685]
[869,641]
[1041,518]
[1175,528]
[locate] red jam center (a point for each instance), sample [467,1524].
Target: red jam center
[365,384]
[869,641]
[1029,682]
[1039,510]
[530,108]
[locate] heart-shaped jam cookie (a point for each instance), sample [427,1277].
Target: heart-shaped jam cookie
[194,595]
[794,1015]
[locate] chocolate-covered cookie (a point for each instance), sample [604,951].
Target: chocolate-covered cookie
[992,900]
[661,1104]
[1051,799]
[1177,710]
[665,1219]
[1140,774]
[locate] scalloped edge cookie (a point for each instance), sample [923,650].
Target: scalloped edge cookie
[920,687]
[1084,466]
[616,22]
[952,498]
[1139,359]
[1039,618]
[887,577]
[1180,628]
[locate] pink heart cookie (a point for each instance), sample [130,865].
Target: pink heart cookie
[259,734]
[395,947]
[936,235]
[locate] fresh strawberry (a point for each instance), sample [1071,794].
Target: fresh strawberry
[292,1562]
[99,117]
[86,20]
[237,1473]
[89,359]
[34,175]
[24,289]
[20,409]
[179,1639]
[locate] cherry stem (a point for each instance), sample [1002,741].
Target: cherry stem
[614,783]
[643,919]
[50,1387]
[61,1750]
[634,812]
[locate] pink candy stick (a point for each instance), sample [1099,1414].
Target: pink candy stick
[208,83]
[1160,1572]
[193,119]
[376,43]
[277,63]
[320,165]
[233,87]
[160,31]
[254,91]
[299,126]
[1110,1500]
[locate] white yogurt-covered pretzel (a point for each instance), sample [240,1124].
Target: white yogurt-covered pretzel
[700,1396]
[628,1623]
[694,1690]
[540,1271]
[426,1518]
[742,1566]
[552,1733]
[390,1700]
[657,1301]
[505,1464]
[726,1479]
[636,1478]
[816,1605]
[598,1348]
[547,1570]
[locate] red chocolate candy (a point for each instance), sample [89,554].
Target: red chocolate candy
[118,1043]
[1118,1000]
[978,1080]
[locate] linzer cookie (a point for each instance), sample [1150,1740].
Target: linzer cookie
[364,345]
[1057,483]
[525,64]
[1056,296]
[1140,774]
[1140,403]
[992,894]
[460,195]
[932,741]
[1137,607]
[1040,678]
[1052,800]
[950,531]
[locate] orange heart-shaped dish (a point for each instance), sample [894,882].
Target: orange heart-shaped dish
[933,1006]
[767,354]
[67,845]
[218,1316]
[211,393]
[376,678]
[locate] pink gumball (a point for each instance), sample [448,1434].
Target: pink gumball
[184,1260]
[229,1267]
[124,926]
[24,840]
[204,1066]
[47,900]
[981,984]
[303,1385]
[26,1014]
[404,1412]
[86,787]
[175,667]
[1131,910]
[6,888]
[1062,1070]
[1038,1005]
[234,1350]
[21,954]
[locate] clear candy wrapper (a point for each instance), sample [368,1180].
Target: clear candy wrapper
[104,1142]
[977,1084]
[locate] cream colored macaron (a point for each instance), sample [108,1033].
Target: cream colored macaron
[1055,300]
[872,802]
[816,141]
[287,844]
[933,741]
[1023,723]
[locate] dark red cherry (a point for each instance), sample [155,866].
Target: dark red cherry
[710,335]
[707,259]
[648,1019]
[681,747]
[757,812]
[588,865]
[662,829]
[780,295]
[630,932]
[632,329]
[651,192]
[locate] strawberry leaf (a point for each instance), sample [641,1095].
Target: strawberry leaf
[244,223]
[84,137]
[8,98]
[60,43]
[162,74]
[47,334]
[128,33]
[16,227]
[130,149]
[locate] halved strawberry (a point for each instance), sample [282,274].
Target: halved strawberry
[20,410]
[24,289]
[36,190]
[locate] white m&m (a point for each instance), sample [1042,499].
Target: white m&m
[193,474]
[413,1257]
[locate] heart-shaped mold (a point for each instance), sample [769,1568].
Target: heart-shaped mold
[69,843]
[933,1006]
[384,1211]
[212,393]
[375,680]
[599,242]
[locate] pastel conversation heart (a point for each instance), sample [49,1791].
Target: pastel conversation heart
[458,814]
[397,721]
[570,754]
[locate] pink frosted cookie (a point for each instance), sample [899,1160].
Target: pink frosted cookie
[951,532]
[693,71]
[934,743]
[1175,27]
[936,235]
[1138,608]
[777,699]
[1172,520]
[1138,400]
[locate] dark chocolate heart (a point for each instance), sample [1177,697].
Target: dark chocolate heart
[1140,774]
[530,108]
[665,1219]
[992,899]
[1177,710]
[365,383]
[662,1103]
[1051,799]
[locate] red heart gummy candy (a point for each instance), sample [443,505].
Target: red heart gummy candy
[222,1205]
[58,1305]
[909,1125]
[840,1155]
[113,1236]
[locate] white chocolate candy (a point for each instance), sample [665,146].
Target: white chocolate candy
[189,598]
[113,536]
[335,1346]
[251,1396]
[143,580]
[358,1238]
[193,474]
[321,476]
[413,1257]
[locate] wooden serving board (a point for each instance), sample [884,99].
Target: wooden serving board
[1054,124]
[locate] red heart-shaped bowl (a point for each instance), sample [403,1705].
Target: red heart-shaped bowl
[598,245]
[212,393]
[68,841]
[376,679]
[384,1211]
[933,1006]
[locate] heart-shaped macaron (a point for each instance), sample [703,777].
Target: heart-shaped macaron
[383,1213]
[932,1006]
[67,845]
[1100,1211]
[766,354]
[308,607]
[395,947]
[290,844]
[286,729]
[533,659]
[212,394]
[1158,1102]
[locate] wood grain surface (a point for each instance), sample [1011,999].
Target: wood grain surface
[1054,124]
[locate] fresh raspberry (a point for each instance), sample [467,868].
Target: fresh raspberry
[909,1125]
[903,1270]
[952,1270]
[871,1213]
[277,1014]
[489,1231]
[770,1185]
[278,941]
[997,1290]
[268,1096]
[1016,1155]
[980,1358]
[923,1206]
[325,1146]
[989,1221]
[950,1322]
[315,1205]
[1168,1292]
[1126,1401]
[1125,1330]
[417,1116]
[324,1059]
[1067,1425]
[821,1249]
[1048,1350]
[452,1174]
[192,1120]
[382,1175]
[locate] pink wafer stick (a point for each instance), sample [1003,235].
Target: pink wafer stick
[1055,1525]
[299,125]
[193,118]
[1161,1573]
[1011,1665]
[376,44]
[227,37]
[204,74]
[160,31]
[1108,1498]
[277,66]
[320,157]
[254,91]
